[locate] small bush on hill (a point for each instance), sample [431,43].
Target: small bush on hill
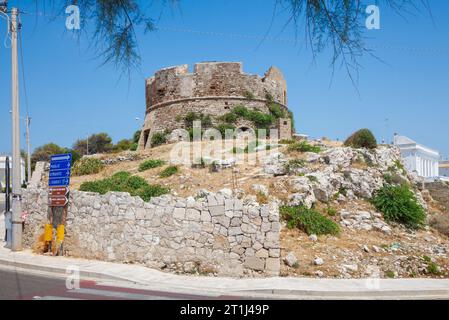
[308,220]
[125,182]
[303,146]
[363,138]
[87,166]
[150,164]
[134,146]
[169,171]
[399,204]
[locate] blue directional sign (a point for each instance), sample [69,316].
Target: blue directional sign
[59,182]
[60,173]
[60,165]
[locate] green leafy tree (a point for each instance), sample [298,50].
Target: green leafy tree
[98,143]
[43,153]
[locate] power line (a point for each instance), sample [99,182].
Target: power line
[423,50]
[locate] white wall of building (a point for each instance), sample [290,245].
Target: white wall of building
[419,158]
[3,166]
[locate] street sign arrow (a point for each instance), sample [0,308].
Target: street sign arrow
[58,182]
[59,173]
[58,191]
[61,157]
[60,165]
[58,201]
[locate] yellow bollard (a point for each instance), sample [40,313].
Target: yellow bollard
[60,233]
[48,233]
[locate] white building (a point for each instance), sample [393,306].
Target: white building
[444,170]
[3,166]
[417,157]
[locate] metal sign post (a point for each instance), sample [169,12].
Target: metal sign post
[8,213]
[58,198]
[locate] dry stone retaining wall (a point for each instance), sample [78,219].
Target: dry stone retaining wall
[215,234]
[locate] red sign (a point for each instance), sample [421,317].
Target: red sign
[58,201]
[58,191]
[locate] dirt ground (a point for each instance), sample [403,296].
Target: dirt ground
[403,253]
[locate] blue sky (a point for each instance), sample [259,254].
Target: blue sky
[71,95]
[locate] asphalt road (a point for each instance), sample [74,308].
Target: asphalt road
[21,285]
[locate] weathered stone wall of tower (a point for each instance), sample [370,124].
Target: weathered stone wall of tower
[214,88]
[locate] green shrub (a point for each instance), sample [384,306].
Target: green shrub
[363,138]
[125,182]
[399,204]
[389,274]
[269,97]
[286,141]
[169,171]
[87,166]
[276,110]
[150,191]
[308,220]
[432,268]
[248,94]
[331,211]
[190,117]
[312,178]
[135,182]
[240,111]
[229,117]
[222,127]
[150,164]
[158,139]
[134,146]
[303,146]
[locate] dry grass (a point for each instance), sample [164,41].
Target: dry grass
[440,222]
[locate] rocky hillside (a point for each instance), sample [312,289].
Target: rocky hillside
[336,182]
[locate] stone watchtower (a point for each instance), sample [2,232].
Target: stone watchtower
[213,90]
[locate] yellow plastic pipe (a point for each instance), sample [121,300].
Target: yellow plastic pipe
[48,233]
[60,233]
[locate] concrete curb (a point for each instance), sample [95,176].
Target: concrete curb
[278,288]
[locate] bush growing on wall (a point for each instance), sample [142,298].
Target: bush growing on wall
[87,166]
[399,204]
[363,138]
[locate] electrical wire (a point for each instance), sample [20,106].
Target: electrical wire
[8,30]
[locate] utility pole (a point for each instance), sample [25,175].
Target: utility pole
[28,120]
[16,163]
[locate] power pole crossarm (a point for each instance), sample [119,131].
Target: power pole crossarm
[16,163]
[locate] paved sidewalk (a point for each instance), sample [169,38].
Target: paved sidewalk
[303,288]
